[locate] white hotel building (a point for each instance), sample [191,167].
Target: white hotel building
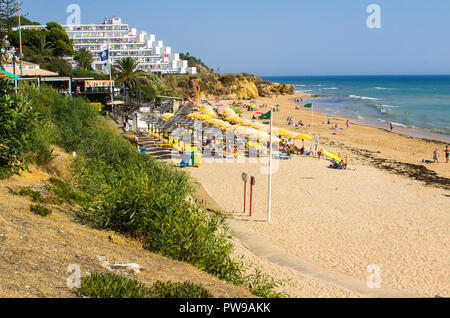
[123,42]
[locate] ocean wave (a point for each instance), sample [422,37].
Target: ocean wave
[303,91]
[399,124]
[332,88]
[390,106]
[382,88]
[363,97]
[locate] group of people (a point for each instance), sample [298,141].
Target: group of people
[290,122]
[436,155]
[342,165]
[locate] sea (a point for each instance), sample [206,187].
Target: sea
[419,104]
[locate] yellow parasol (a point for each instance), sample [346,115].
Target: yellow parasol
[167,116]
[280,132]
[303,137]
[208,112]
[217,123]
[229,113]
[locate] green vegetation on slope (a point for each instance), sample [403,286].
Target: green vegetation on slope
[115,286]
[119,188]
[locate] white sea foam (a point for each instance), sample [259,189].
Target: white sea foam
[363,97]
[399,124]
[390,106]
[303,91]
[332,88]
[382,88]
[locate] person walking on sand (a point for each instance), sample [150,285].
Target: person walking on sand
[392,127]
[347,124]
[436,156]
[447,154]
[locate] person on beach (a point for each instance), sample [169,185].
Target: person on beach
[436,156]
[391,126]
[347,124]
[447,154]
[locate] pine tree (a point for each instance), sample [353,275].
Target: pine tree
[8,9]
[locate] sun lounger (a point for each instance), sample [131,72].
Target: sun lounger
[187,156]
[281,156]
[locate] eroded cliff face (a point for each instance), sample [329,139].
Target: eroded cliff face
[231,86]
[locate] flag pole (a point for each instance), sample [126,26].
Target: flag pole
[269,209]
[20,38]
[110,77]
[312,124]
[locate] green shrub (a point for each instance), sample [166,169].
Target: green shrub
[150,202]
[40,210]
[35,196]
[64,193]
[112,286]
[262,285]
[5,173]
[17,121]
[71,116]
[43,137]
[179,290]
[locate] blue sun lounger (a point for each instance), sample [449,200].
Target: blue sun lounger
[187,156]
[281,156]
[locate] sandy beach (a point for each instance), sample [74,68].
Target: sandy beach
[387,209]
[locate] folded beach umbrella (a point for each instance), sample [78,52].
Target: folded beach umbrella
[229,113]
[241,130]
[198,116]
[261,127]
[245,122]
[217,123]
[234,119]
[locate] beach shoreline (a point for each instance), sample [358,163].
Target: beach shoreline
[419,133]
[400,145]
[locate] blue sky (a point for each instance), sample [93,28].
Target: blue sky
[284,37]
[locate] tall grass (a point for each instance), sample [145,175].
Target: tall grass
[114,286]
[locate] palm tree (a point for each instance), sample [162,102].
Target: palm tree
[84,58]
[127,72]
[39,51]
